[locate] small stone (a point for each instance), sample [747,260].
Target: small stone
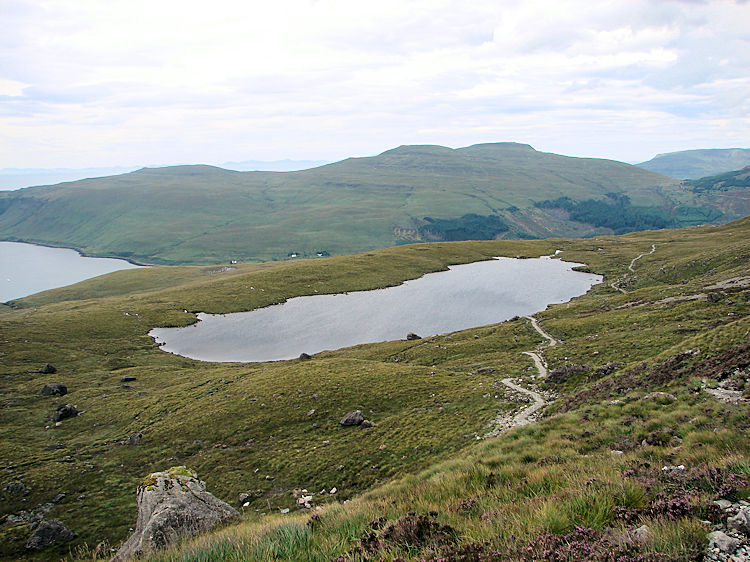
[127,379]
[54,447]
[48,369]
[243,497]
[48,533]
[311,412]
[333,491]
[304,501]
[304,357]
[723,504]
[352,418]
[485,370]
[722,542]
[285,510]
[412,336]
[366,424]
[135,439]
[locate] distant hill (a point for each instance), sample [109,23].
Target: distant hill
[691,164]
[729,181]
[205,214]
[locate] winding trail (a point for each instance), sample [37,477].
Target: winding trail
[504,422]
[541,366]
[552,341]
[635,259]
[615,284]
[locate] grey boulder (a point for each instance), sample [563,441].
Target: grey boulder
[723,542]
[171,505]
[64,412]
[48,533]
[352,418]
[54,390]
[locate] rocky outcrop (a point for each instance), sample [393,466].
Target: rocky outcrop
[171,505]
[352,418]
[411,336]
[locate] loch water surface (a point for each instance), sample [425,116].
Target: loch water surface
[465,296]
[26,269]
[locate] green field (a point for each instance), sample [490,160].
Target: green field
[207,215]
[245,428]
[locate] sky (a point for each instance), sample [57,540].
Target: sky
[154,82]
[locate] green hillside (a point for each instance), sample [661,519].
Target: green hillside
[692,164]
[670,317]
[202,214]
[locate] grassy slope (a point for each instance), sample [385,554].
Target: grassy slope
[237,424]
[502,495]
[202,214]
[699,163]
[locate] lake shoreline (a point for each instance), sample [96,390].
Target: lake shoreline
[79,250]
[422,306]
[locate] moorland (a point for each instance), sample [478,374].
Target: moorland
[650,371]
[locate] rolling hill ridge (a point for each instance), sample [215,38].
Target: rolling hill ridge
[698,163]
[204,214]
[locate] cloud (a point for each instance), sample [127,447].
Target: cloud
[131,82]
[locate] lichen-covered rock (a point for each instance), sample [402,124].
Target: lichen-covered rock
[171,505]
[352,418]
[48,533]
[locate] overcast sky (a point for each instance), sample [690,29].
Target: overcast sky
[136,82]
